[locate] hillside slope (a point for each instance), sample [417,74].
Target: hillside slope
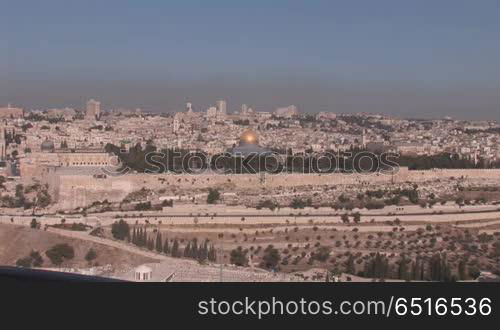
[18,241]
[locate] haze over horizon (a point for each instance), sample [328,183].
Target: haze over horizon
[410,59]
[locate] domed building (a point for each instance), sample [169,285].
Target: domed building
[249,137]
[47,146]
[249,144]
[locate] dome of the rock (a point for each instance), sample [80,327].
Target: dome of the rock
[249,137]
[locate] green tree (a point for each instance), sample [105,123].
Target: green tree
[91,255]
[212,254]
[462,270]
[20,200]
[120,230]
[194,248]
[213,196]
[24,262]
[187,250]
[322,254]
[271,258]
[59,253]
[150,244]
[175,249]
[36,258]
[34,224]
[238,257]
[403,271]
[140,237]
[134,236]
[203,251]
[166,247]
[159,245]
[349,265]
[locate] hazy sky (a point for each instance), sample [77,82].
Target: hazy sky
[413,58]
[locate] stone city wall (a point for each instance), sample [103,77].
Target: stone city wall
[80,190]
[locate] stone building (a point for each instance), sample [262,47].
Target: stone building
[93,110]
[11,112]
[38,163]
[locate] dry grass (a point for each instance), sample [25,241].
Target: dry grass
[18,241]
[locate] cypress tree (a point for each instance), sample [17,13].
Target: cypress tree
[422,270]
[175,249]
[127,238]
[203,251]
[187,250]
[145,238]
[166,247]
[436,271]
[194,249]
[462,270]
[403,268]
[212,254]
[134,236]
[414,270]
[350,269]
[446,270]
[159,245]
[140,237]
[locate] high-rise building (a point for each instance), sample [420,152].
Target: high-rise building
[189,107]
[244,109]
[221,107]
[93,110]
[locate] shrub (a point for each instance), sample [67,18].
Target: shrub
[59,253]
[322,254]
[34,224]
[33,260]
[213,196]
[36,258]
[271,258]
[373,205]
[91,255]
[238,257]
[24,262]
[98,232]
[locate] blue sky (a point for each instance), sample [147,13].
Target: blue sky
[412,58]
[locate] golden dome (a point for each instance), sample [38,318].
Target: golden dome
[249,137]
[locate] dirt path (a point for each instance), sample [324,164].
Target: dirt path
[119,245]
